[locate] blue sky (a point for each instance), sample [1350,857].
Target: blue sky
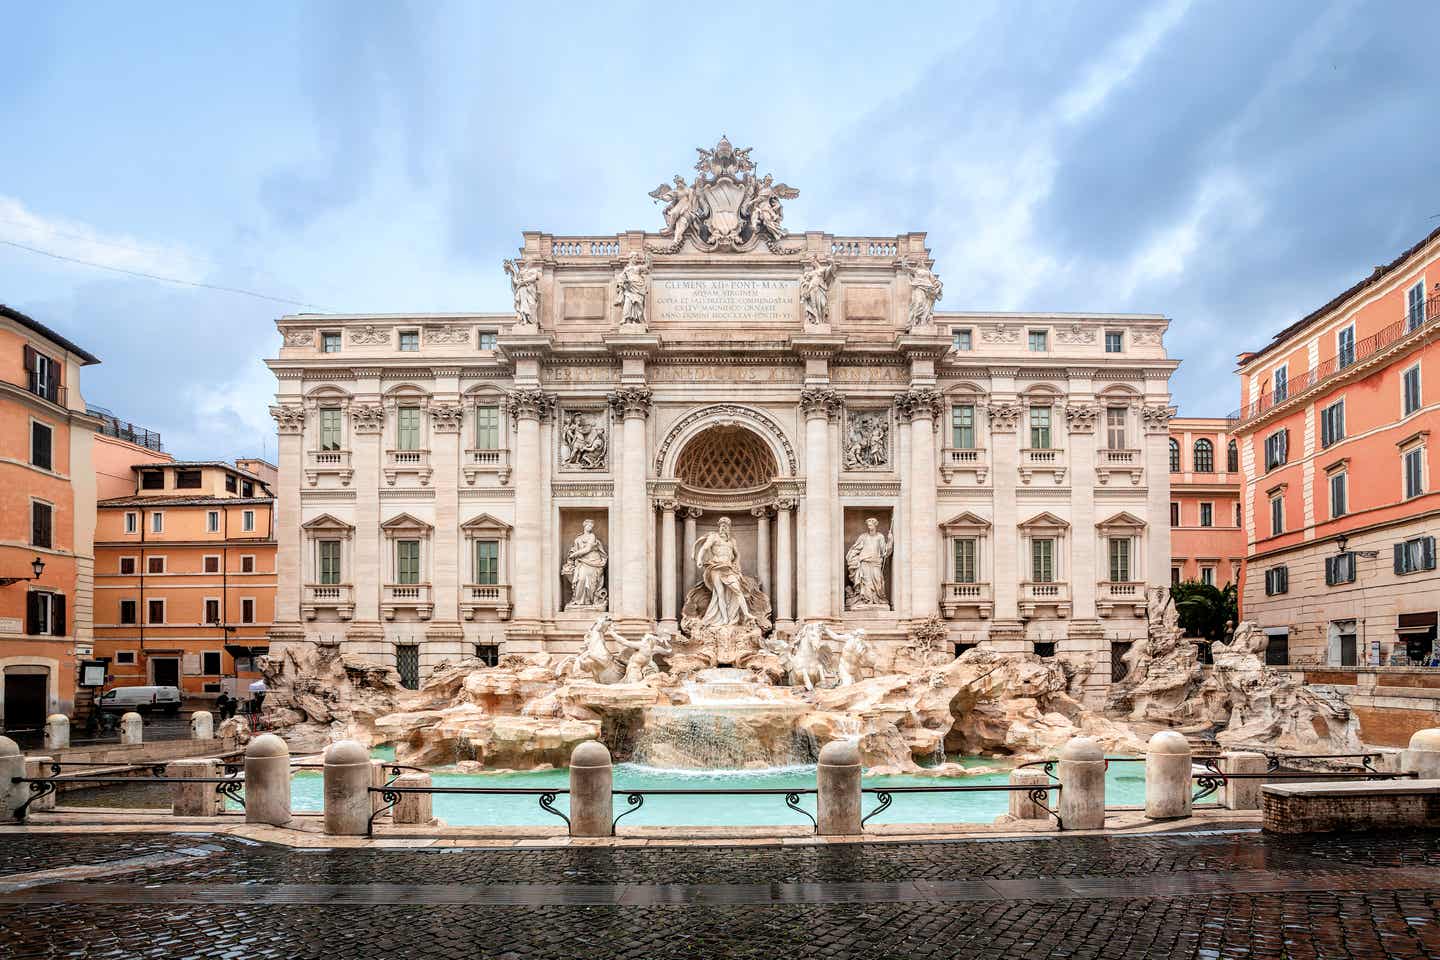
[1229,164]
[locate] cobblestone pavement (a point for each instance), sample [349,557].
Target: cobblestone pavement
[1202,895]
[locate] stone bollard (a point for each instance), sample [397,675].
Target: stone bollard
[132,728]
[1082,784]
[414,807]
[1422,757]
[837,778]
[36,768]
[1242,794]
[195,799]
[1167,776]
[57,732]
[12,764]
[347,789]
[202,726]
[267,781]
[592,777]
[1021,806]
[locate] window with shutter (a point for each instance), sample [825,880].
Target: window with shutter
[1415,306]
[40,524]
[57,604]
[40,446]
[1410,390]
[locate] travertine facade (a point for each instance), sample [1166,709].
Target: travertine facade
[438,471]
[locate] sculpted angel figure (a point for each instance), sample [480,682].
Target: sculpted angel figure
[765,214]
[585,568]
[632,283]
[718,558]
[682,202]
[641,663]
[866,562]
[925,290]
[815,289]
[525,283]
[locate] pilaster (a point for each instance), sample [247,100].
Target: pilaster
[820,406]
[631,404]
[1008,565]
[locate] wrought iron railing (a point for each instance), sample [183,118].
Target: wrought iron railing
[1037,795]
[1213,778]
[390,795]
[231,788]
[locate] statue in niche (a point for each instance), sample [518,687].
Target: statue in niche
[632,284]
[925,290]
[642,653]
[726,613]
[718,558]
[815,290]
[585,569]
[867,445]
[594,662]
[582,442]
[865,561]
[525,284]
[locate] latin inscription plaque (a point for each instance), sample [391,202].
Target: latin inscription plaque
[725,300]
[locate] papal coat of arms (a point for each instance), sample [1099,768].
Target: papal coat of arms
[726,207]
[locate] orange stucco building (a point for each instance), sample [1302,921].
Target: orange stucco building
[47,514]
[1207,535]
[1338,430]
[185,575]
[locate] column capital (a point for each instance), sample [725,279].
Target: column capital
[630,402]
[665,504]
[919,403]
[760,511]
[530,404]
[367,417]
[446,417]
[821,402]
[1156,418]
[1004,417]
[289,418]
[786,504]
[1081,417]
[693,513]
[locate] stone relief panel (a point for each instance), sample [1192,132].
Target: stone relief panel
[369,335]
[867,440]
[584,439]
[1074,333]
[584,303]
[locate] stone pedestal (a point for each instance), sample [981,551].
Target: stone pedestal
[202,725]
[1422,757]
[195,799]
[57,731]
[414,808]
[12,764]
[1242,794]
[1082,784]
[347,790]
[1167,776]
[837,778]
[267,781]
[132,728]
[36,768]
[1021,806]
[591,780]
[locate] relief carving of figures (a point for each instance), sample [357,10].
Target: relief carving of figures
[1156,417]
[525,284]
[583,442]
[584,567]
[632,285]
[367,418]
[1146,338]
[815,290]
[865,561]
[1075,333]
[867,444]
[447,417]
[925,290]
[1000,333]
[369,335]
[1081,417]
[447,334]
[300,336]
[727,207]
[534,404]
[288,419]
[1003,416]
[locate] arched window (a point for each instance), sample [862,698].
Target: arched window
[1174,455]
[1204,456]
[1232,458]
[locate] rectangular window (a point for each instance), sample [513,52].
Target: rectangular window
[132,522]
[1277,581]
[1040,428]
[1277,516]
[962,339]
[1415,306]
[1345,347]
[127,566]
[489,339]
[1338,491]
[488,654]
[211,564]
[154,564]
[157,522]
[1239,517]
[328,561]
[127,613]
[247,521]
[40,446]
[210,663]
[1282,383]
[1415,555]
[487,427]
[40,524]
[212,521]
[44,374]
[407,428]
[407,561]
[1207,576]
[1174,514]
[125,657]
[1042,560]
[962,426]
[152,480]
[247,564]
[1414,461]
[1039,341]
[487,562]
[229,483]
[187,479]
[1119,560]
[1410,390]
[212,611]
[1277,449]
[329,343]
[1340,568]
[247,610]
[1207,514]
[155,611]
[1115,428]
[965,556]
[407,664]
[1114,341]
[409,341]
[330,428]
[247,489]
[1174,576]
[1332,423]
[44,614]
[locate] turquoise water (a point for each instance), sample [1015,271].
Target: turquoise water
[1125,785]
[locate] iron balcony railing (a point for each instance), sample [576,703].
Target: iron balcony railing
[1394,333]
[113,426]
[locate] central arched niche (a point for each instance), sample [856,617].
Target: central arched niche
[725,457]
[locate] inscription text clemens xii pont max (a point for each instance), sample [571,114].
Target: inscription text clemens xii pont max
[734,300]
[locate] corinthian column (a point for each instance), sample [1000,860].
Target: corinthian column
[687,559]
[784,564]
[633,405]
[762,549]
[921,406]
[528,408]
[820,404]
[669,621]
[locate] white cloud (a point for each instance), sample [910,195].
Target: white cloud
[1120,62]
[231,417]
[78,240]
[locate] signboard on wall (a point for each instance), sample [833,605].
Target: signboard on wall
[9,624]
[191,665]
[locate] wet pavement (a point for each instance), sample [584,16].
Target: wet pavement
[1204,895]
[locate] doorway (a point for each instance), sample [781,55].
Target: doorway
[25,696]
[165,671]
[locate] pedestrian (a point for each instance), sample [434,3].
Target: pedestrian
[257,695]
[225,705]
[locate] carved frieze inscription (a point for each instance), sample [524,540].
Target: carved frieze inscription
[693,301]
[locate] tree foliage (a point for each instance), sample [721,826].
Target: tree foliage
[1204,610]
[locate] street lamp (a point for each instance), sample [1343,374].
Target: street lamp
[1344,539]
[37,565]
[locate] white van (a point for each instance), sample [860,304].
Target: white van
[141,700]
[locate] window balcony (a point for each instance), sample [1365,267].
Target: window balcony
[962,460]
[1035,460]
[476,597]
[407,596]
[1110,462]
[477,462]
[1127,598]
[407,461]
[319,463]
[339,597]
[1035,597]
[966,601]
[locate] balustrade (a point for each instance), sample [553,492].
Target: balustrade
[321,462]
[407,596]
[959,599]
[1111,595]
[1034,595]
[1035,460]
[476,597]
[339,597]
[954,460]
[407,461]
[478,461]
